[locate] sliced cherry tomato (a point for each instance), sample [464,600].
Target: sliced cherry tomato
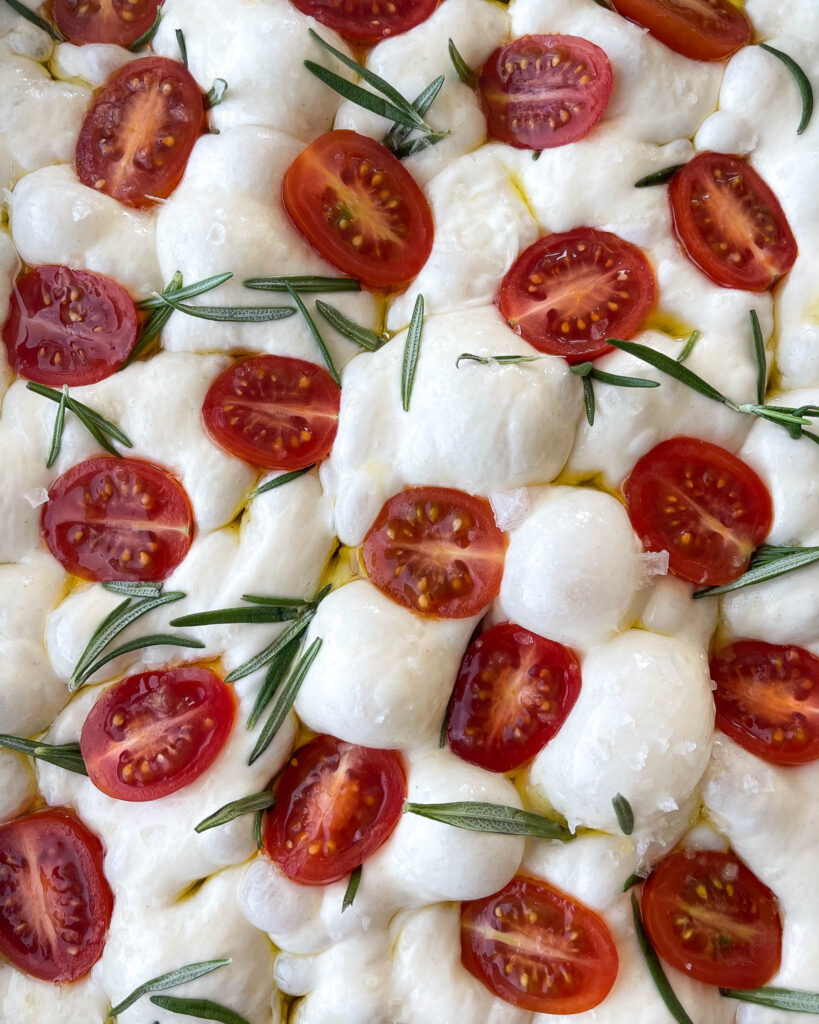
[155,732]
[730,223]
[710,917]
[436,551]
[138,133]
[568,292]
[273,411]
[767,699]
[703,505]
[360,209]
[336,803]
[55,902]
[367,21]
[117,519]
[700,29]
[104,21]
[538,948]
[68,326]
[512,695]
[545,91]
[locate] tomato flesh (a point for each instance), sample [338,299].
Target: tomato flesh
[138,133]
[538,948]
[545,91]
[730,223]
[68,326]
[360,209]
[274,412]
[121,22]
[153,733]
[367,21]
[117,519]
[55,902]
[710,917]
[570,291]
[703,505]
[436,551]
[336,804]
[513,693]
[700,29]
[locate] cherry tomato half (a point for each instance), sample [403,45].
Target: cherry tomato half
[336,803]
[545,91]
[700,29]
[139,131]
[155,732]
[538,948]
[700,503]
[117,519]
[273,411]
[710,917]
[55,902]
[104,21]
[767,699]
[513,693]
[436,551]
[570,291]
[360,209]
[730,223]
[68,326]
[367,21]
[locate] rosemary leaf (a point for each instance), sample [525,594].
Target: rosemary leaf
[671,367]
[155,640]
[590,370]
[779,998]
[625,815]
[216,93]
[659,177]
[183,49]
[231,314]
[655,969]
[759,356]
[500,360]
[397,139]
[133,589]
[496,818]
[362,97]
[285,699]
[204,1009]
[631,881]
[257,829]
[604,4]
[95,424]
[349,328]
[774,562]
[412,349]
[588,400]
[188,292]
[255,614]
[444,726]
[35,19]
[66,755]
[536,154]
[59,423]
[305,283]
[462,69]
[311,326]
[688,347]
[95,432]
[155,324]
[147,37]
[417,145]
[269,653]
[802,82]
[276,671]
[236,809]
[352,889]
[280,481]
[170,980]
[277,602]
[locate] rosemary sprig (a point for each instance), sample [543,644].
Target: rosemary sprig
[236,809]
[802,83]
[295,629]
[169,980]
[155,640]
[276,672]
[655,968]
[97,426]
[311,326]
[35,19]
[759,356]
[398,139]
[204,1009]
[179,293]
[66,755]
[625,815]
[304,283]
[659,177]
[590,371]
[349,328]
[59,424]
[778,998]
[133,589]
[254,615]
[216,93]
[352,889]
[230,314]
[285,699]
[183,49]
[412,349]
[280,481]
[496,818]
[462,69]
[147,37]
[688,347]
[155,323]
[766,564]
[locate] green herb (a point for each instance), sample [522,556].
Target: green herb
[766,564]
[230,314]
[155,640]
[66,755]
[133,589]
[216,93]
[779,998]
[306,283]
[254,615]
[659,177]
[500,360]
[176,290]
[590,370]
[759,356]
[536,154]
[183,49]
[688,348]
[352,889]
[631,881]
[496,818]
[802,82]
[349,328]
[311,326]
[170,980]
[412,349]
[257,829]
[236,809]
[280,481]
[462,69]
[276,672]
[296,603]
[655,968]
[264,657]
[35,19]
[625,815]
[97,426]
[444,727]
[398,139]
[204,1009]
[59,423]
[588,400]
[155,323]
[147,37]
[604,4]
[285,699]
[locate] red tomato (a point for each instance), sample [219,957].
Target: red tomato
[365,21]
[513,693]
[538,948]
[335,805]
[700,29]
[710,917]
[139,131]
[104,21]
[155,732]
[274,412]
[767,699]
[55,903]
[360,209]
[730,223]
[68,326]
[117,519]
[436,551]
[570,291]
[545,91]
[700,503]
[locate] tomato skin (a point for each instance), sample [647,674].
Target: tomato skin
[74,520]
[161,718]
[47,860]
[340,189]
[123,148]
[55,338]
[700,503]
[559,293]
[418,525]
[534,950]
[718,200]
[121,22]
[365,22]
[734,939]
[767,699]
[540,92]
[292,400]
[704,30]
[336,804]
[513,693]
